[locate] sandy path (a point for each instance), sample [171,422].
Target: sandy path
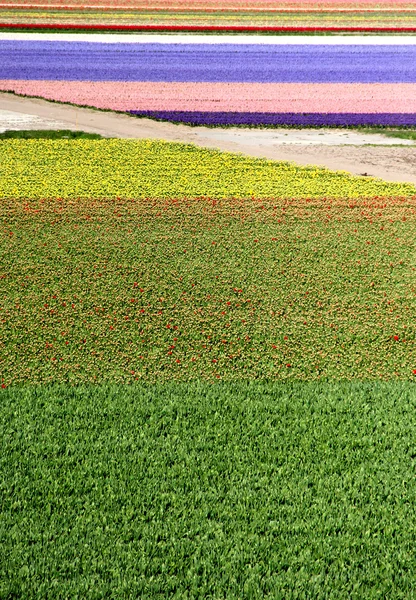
[391,163]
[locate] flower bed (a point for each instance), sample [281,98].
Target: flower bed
[209,15]
[158,261]
[222,83]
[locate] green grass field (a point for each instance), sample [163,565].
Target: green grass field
[207,384]
[401,133]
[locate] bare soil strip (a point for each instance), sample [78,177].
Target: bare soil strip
[391,163]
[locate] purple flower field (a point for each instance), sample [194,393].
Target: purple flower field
[367,84]
[294,119]
[84,61]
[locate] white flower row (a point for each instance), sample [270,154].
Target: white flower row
[117,38]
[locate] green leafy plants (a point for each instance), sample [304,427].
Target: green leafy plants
[237,490]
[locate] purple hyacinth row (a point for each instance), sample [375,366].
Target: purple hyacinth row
[83,61]
[295,119]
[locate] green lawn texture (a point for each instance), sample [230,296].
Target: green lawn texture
[204,396]
[402,133]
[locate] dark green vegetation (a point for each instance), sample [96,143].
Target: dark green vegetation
[97,290]
[49,134]
[237,491]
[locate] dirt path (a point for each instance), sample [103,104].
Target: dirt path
[391,163]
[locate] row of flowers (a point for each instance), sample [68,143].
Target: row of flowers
[389,104]
[259,18]
[220,6]
[224,4]
[222,83]
[209,63]
[131,169]
[236,28]
[284,119]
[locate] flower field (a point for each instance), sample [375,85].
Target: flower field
[261,82]
[319,286]
[213,14]
[207,361]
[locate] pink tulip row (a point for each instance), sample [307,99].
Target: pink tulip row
[231,97]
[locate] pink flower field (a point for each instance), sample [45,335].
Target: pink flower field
[232,97]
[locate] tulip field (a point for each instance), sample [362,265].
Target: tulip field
[129,272]
[208,368]
[207,360]
[212,14]
[262,81]
[314,254]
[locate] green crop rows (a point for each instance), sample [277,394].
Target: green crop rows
[161,290]
[246,490]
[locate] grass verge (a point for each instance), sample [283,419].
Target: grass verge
[244,490]
[404,134]
[48,134]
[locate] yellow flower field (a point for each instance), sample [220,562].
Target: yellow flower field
[156,169]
